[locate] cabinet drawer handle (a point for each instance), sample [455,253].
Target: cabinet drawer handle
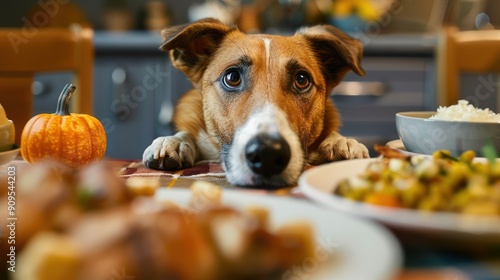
[38,88]
[360,89]
[118,81]
[118,76]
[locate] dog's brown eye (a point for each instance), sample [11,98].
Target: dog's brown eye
[232,79]
[302,81]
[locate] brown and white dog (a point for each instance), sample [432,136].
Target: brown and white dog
[260,103]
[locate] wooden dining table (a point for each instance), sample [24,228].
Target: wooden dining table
[423,259]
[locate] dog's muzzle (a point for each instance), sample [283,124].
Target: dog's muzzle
[265,152]
[267,155]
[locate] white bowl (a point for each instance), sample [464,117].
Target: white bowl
[8,156]
[425,136]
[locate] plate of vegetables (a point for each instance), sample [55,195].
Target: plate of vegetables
[438,193]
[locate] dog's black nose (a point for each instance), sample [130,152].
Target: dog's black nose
[267,154]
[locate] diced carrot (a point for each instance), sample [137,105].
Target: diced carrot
[383,199]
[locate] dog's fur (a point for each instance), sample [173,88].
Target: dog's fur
[246,86]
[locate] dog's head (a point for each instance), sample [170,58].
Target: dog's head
[265,97]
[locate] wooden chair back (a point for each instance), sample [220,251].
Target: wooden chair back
[475,51]
[24,53]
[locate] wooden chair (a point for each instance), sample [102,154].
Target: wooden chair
[24,52]
[475,51]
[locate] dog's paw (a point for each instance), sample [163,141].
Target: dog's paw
[169,153]
[340,147]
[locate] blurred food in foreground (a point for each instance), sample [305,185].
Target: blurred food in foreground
[90,224]
[439,182]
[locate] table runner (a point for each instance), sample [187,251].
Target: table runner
[201,170]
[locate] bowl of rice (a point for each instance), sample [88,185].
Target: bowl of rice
[456,128]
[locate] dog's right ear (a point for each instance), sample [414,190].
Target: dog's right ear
[191,45]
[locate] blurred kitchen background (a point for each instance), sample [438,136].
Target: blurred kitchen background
[259,15]
[400,39]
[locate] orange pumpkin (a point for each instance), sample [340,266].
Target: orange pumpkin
[71,139]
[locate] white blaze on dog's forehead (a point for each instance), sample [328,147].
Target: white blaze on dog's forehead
[267,46]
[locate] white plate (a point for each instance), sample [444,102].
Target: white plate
[366,250]
[320,182]
[8,156]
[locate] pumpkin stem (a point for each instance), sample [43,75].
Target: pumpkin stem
[64,100]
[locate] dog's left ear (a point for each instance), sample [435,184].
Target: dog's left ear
[191,45]
[337,52]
